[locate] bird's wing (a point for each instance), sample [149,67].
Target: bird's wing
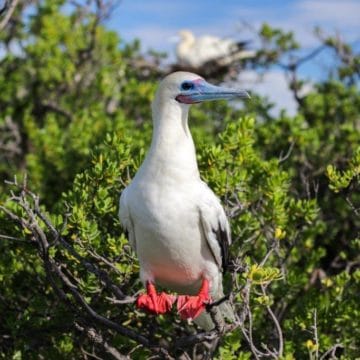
[125,218]
[216,226]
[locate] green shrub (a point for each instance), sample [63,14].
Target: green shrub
[75,115]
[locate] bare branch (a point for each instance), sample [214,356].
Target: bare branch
[246,313]
[187,341]
[277,326]
[128,300]
[316,337]
[97,338]
[6,237]
[298,62]
[54,107]
[282,157]
[10,139]
[331,352]
[8,9]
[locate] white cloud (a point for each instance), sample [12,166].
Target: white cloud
[152,37]
[303,16]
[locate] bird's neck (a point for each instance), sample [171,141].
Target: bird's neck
[187,42]
[172,148]
[184,46]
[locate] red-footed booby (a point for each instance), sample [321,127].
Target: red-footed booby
[195,52]
[175,223]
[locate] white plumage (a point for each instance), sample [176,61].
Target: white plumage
[195,52]
[175,223]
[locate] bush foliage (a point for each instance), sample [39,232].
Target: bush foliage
[75,117]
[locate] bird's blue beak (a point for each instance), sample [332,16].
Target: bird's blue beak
[199,90]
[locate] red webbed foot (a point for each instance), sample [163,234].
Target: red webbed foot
[154,302]
[190,307]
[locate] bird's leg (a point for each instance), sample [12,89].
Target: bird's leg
[190,307]
[154,302]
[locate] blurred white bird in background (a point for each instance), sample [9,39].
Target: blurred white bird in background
[195,52]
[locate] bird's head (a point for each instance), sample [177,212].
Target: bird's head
[186,35]
[188,88]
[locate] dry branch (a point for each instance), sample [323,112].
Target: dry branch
[8,10]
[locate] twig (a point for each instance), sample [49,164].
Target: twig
[217,302]
[97,338]
[331,351]
[127,300]
[247,313]
[10,9]
[6,237]
[54,107]
[266,257]
[102,275]
[286,156]
[316,338]
[10,139]
[187,341]
[277,326]
[103,259]
[295,64]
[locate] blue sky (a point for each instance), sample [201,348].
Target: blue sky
[154,22]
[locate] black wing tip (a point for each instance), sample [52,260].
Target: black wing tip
[223,239]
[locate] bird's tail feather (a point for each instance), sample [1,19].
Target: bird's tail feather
[242,44]
[226,311]
[205,321]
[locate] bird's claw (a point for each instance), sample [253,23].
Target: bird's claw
[155,303]
[190,307]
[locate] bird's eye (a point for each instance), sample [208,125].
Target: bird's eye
[187,85]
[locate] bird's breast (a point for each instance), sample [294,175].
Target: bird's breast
[169,239]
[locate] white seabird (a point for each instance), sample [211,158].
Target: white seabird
[175,223]
[195,52]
